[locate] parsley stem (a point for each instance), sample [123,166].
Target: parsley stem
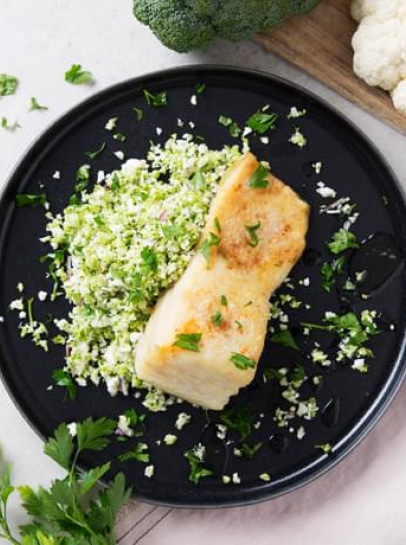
[30,302]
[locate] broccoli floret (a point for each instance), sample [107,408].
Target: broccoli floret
[183,25]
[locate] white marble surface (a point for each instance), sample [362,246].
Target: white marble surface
[361,501]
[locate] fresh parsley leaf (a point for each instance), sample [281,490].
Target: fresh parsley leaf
[217,318]
[95,434]
[273,374]
[72,511]
[259,180]
[217,225]
[197,470]
[96,152]
[92,477]
[342,240]
[330,271]
[5,125]
[242,362]
[284,338]
[35,105]
[64,379]
[150,259]
[224,301]
[158,100]
[239,419]
[135,419]
[77,76]
[249,451]
[139,113]
[200,88]
[8,85]
[188,341]
[138,453]
[297,374]
[27,199]
[232,126]
[60,447]
[253,236]
[262,122]
[206,246]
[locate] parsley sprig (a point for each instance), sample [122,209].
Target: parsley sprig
[73,510]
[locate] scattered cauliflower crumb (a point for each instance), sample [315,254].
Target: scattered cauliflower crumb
[298,138]
[170,439]
[149,471]
[182,420]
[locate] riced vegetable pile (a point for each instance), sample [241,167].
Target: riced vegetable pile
[124,242]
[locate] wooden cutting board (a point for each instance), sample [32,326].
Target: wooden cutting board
[320,44]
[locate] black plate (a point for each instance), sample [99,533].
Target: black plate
[351,165]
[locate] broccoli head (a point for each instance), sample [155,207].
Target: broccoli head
[183,25]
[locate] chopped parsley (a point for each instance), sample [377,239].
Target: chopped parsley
[8,85]
[239,419]
[249,451]
[206,247]
[330,271]
[138,113]
[195,457]
[64,380]
[29,199]
[262,122]
[139,453]
[77,76]
[188,341]
[353,331]
[96,152]
[253,236]
[6,125]
[342,240]
[217,318]
[242,362]
[224,301]
[217,225]
[232,126]
[284,338]
[259,180]
[35,105]
[158,100]
[200,88]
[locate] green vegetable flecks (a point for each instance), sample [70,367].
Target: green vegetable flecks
[194,24]
[77,76]
[8,85]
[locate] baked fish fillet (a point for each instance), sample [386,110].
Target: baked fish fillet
[206,334]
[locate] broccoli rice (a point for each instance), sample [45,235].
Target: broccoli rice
[126,240]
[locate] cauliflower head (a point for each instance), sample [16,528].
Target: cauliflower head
[380,46]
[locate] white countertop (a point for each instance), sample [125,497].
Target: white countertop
[360,502]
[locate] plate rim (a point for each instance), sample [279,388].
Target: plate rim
[397,375]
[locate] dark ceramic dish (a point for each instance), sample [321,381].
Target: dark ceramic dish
[352,166]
